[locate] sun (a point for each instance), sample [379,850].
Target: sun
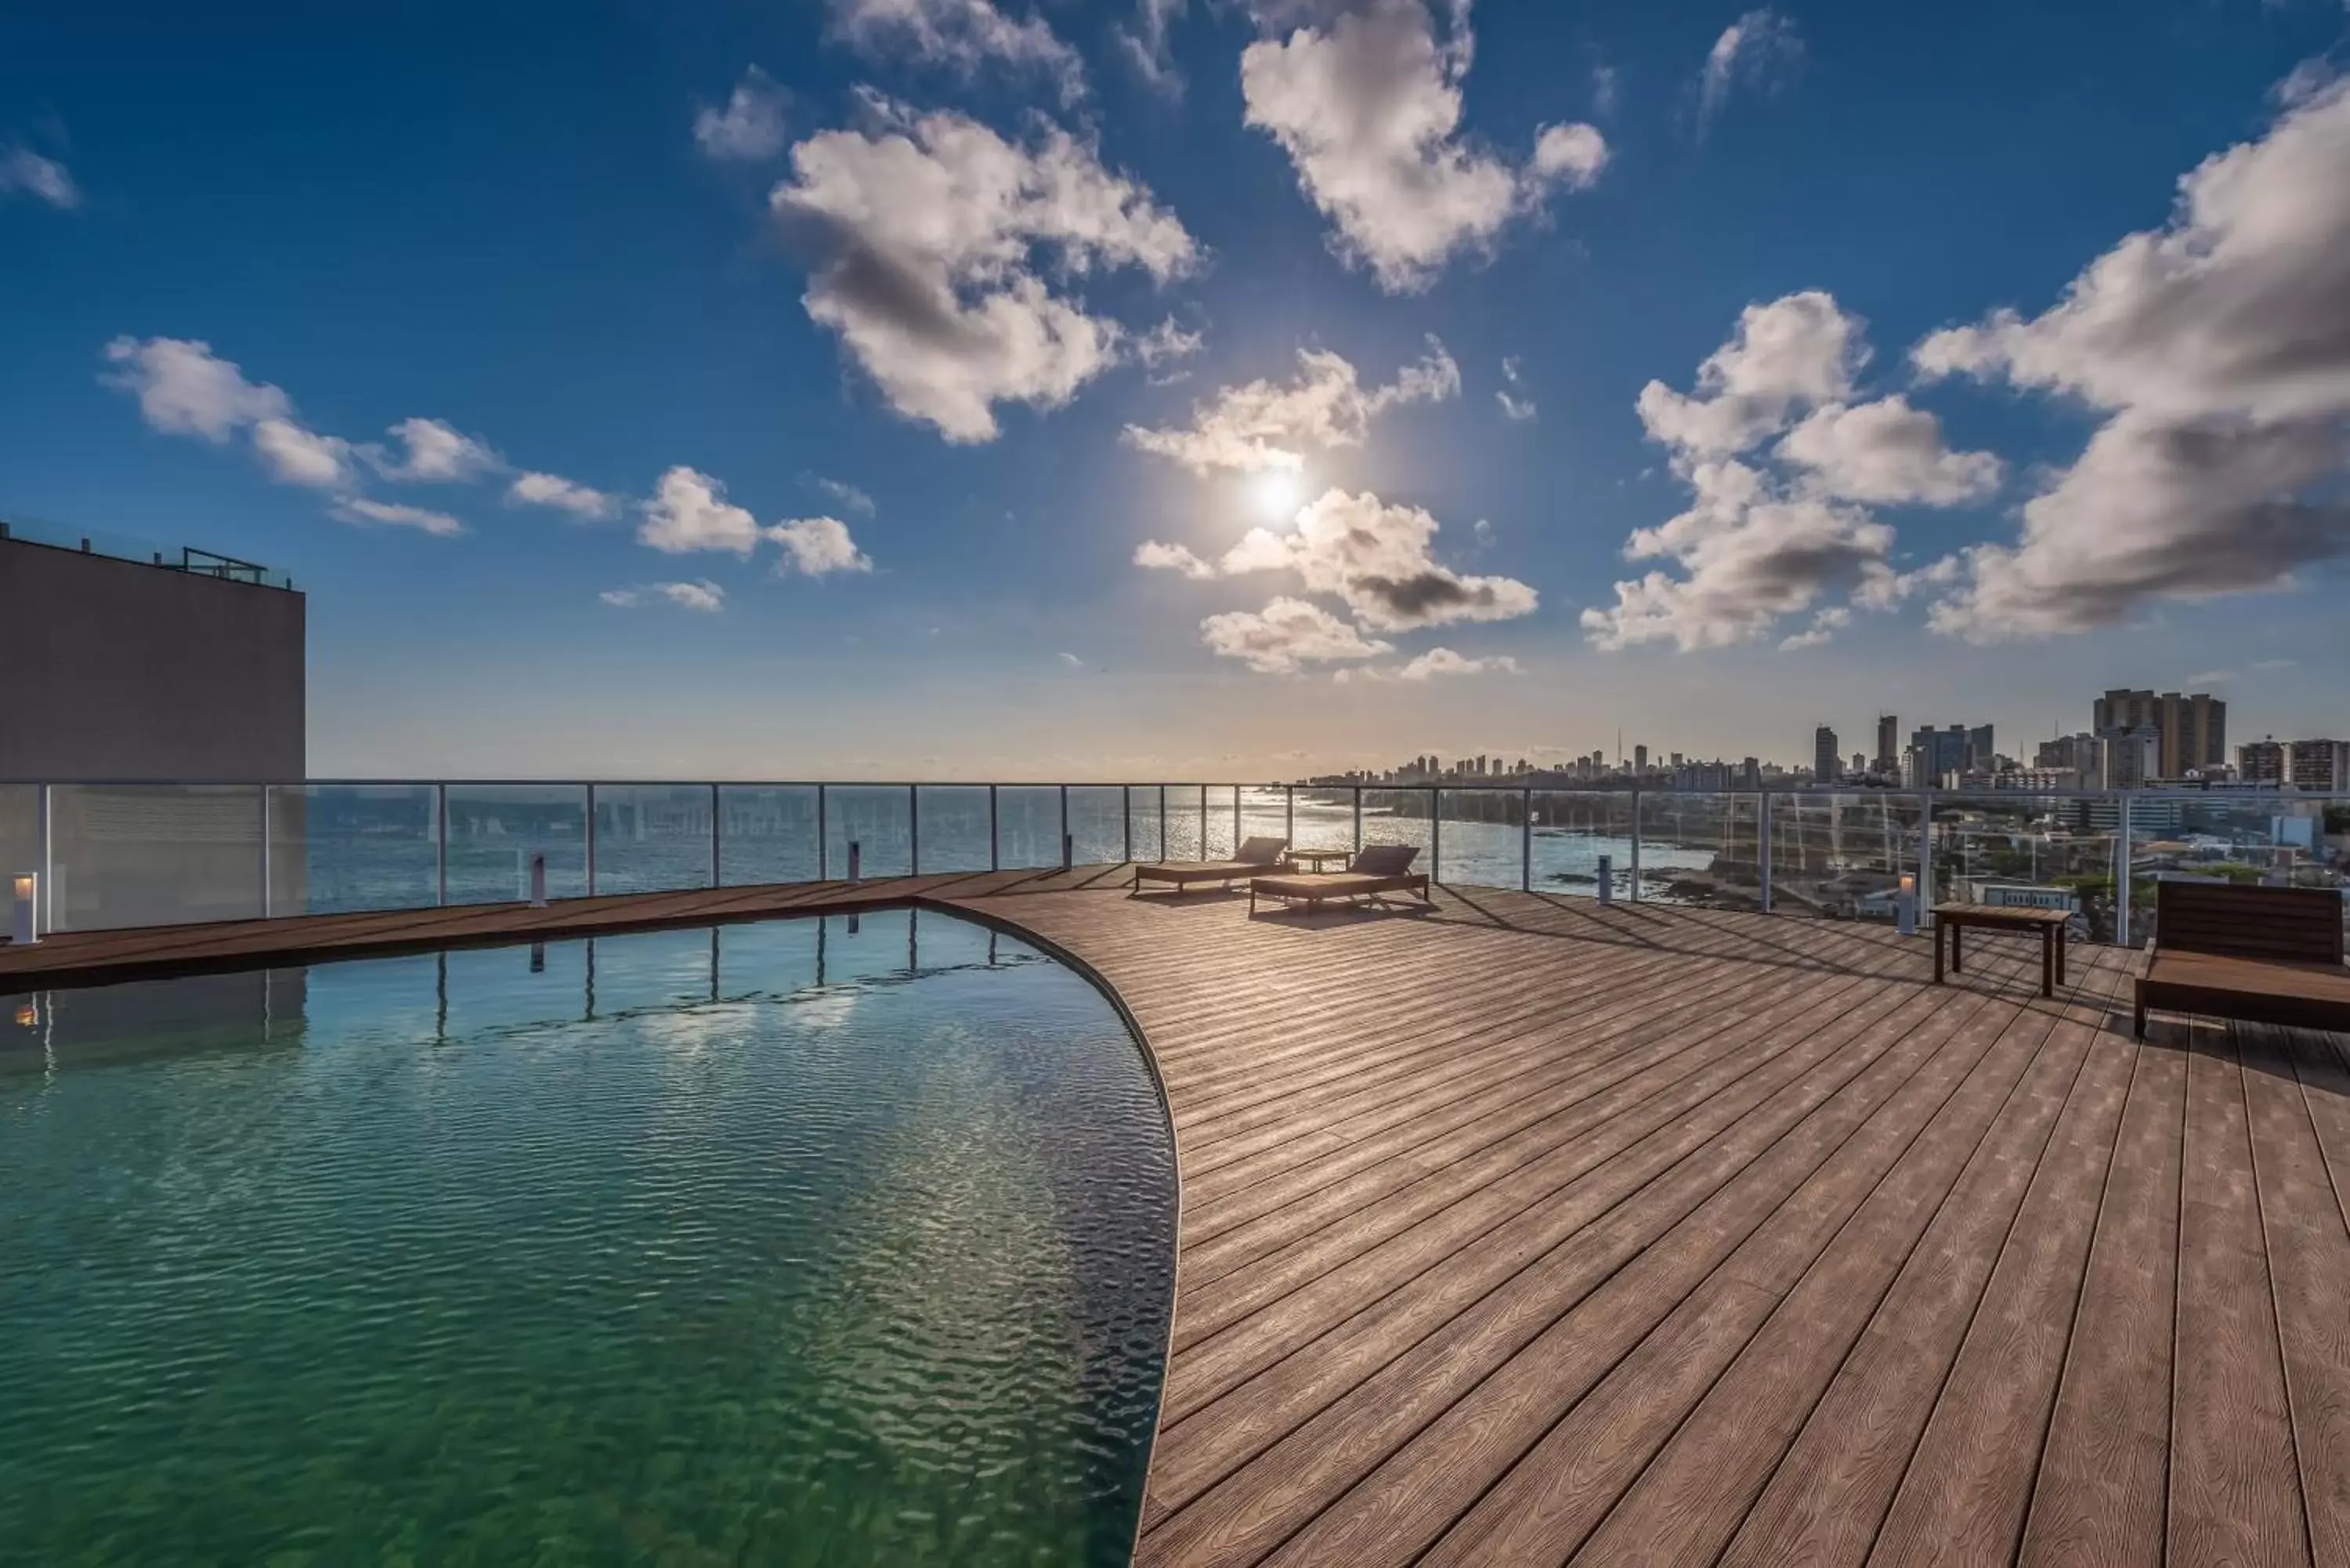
[1275,494]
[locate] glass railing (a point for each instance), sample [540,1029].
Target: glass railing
[118,855]
[121,548]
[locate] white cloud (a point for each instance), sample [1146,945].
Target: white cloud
[751,125]
[1165,344]
[1071,660]
[295,455]
[1519,408]
[1378,559]
[437,452]
[1761,50]
[1436,663]
[1157,557]
[703,596]
[184,388]
[689,511]
[961,35]
[847,495]
[359,510]
[554,490]
[1889,453]
[23,171]
[1259,426]
[1797,349]
[1285,634]
[1607,89]
[1145,45]
[820,546]
[1757,545]
[1369,112]
[2219,347]
[1571,154]
[926,236]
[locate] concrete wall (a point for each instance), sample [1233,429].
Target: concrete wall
[115,669]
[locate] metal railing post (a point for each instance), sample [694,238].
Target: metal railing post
[441,840]
[717,873]
[44,828]
[591,840]
[2122,874]
[1236,819]
[1436,833]
[1358,819]
[1289,814]
[1926,900]
[1162,823]
[914,829]
[1635,845]
[265,853]
[1066,846]
[1763,846]
[823,839]
[995,833]
[1125,818]
[1525,840]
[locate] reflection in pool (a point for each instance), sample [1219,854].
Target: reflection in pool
[773,1243]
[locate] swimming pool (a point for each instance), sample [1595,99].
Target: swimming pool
[800,1242]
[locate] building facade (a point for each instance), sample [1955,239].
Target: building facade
[1826,767]
[2318,765]
[1889,746]
[2191,731]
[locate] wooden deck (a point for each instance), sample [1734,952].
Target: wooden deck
[1523,1230]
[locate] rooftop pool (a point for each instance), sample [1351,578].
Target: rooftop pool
[819,1241]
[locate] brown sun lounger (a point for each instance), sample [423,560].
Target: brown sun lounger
[1256,855]
[2266,955]
[1382,868]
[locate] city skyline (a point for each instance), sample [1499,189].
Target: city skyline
[845,392]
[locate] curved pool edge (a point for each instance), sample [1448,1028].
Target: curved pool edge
[1079,965]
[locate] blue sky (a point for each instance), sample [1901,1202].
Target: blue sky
[1200,390]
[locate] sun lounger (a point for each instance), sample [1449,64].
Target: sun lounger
[1254,857]
[1382,868]
[2266,955]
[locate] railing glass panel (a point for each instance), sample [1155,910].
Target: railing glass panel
[20,837]
[2279,840]
[340,848]
[1572,830]
[153,855]
[1701,848]
[1401,816]
[653,838]
[1325,819]
[2055,851]
[954,828]
[1096,824]
[1221,835]
[1841,854]
[768,833]
[1146,830]
[1027,826]
[1484,843]
[1264,810]
[494,830]
[1186,822]
[879,818]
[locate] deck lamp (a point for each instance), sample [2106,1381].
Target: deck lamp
[1905,909]
[856,861]
[1608,879]
[538,881]
[24,928]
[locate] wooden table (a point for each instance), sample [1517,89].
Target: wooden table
[2050,923]
[1299,857]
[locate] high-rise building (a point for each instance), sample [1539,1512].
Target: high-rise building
[2129,756]
[1888,744]
[1641,759]
[1936,755]
[2191,731]
[2318,764]
[1826,769]
[1980,754]
[2261,762]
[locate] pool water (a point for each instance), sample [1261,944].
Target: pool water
[778,1243]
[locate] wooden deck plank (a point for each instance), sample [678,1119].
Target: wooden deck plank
[2234,1494]
[2104,1466]
[1520,1224]
[2308,1250]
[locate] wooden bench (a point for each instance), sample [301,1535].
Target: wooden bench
[2266,955]
[1952,918]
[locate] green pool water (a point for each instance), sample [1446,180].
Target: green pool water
[778,1243]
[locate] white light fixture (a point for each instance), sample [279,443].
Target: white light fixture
[1606,879]
[538,881]
[856,861]
[1906,907]
[24,929]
